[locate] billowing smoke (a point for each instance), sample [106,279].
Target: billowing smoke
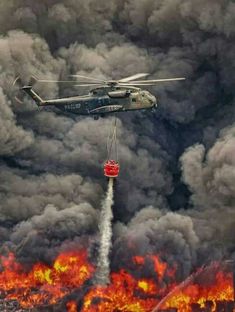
[176,188]
[106,216]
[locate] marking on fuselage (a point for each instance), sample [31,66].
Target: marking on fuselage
[109,108]
[72,106]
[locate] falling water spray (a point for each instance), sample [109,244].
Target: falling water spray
[103,267]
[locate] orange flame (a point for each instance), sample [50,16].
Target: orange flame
[69,271]
[127,293]
[220,289]
[141,292]
[71,306]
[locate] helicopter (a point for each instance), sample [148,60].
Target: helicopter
[105,96]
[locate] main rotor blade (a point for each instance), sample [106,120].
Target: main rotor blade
[60,81]
[86,77]
[89,85]
[136,84]
[134,77]
[87,82]
[158,80]
[68,81]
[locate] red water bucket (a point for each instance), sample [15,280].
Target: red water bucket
[111,169]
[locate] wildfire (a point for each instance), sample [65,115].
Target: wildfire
[140,291]
[220,289]
[71,306]
[44,284]
[123,294]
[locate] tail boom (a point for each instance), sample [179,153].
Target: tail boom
[37,99]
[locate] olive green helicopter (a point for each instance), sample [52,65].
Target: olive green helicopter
[105,96]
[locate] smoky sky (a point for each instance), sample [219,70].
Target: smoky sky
[176,188]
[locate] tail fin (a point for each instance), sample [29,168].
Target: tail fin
[37,99]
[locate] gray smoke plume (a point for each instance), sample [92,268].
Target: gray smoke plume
[105,227]
[176,186]
[210,175]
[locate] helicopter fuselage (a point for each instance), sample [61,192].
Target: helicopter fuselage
[100,101]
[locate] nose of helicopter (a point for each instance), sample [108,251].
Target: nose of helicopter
[153,100]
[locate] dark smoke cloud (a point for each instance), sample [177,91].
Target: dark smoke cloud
[52,229]
[13,138]
[23,195]
[210,173]
[210,176]
[152,232]
[51,164]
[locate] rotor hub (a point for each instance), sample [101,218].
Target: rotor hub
[112,83]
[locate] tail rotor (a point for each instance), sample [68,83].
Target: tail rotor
[17,86]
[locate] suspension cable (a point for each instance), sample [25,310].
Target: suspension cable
[112,141]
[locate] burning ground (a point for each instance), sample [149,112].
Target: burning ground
[175,195]
[66,285]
